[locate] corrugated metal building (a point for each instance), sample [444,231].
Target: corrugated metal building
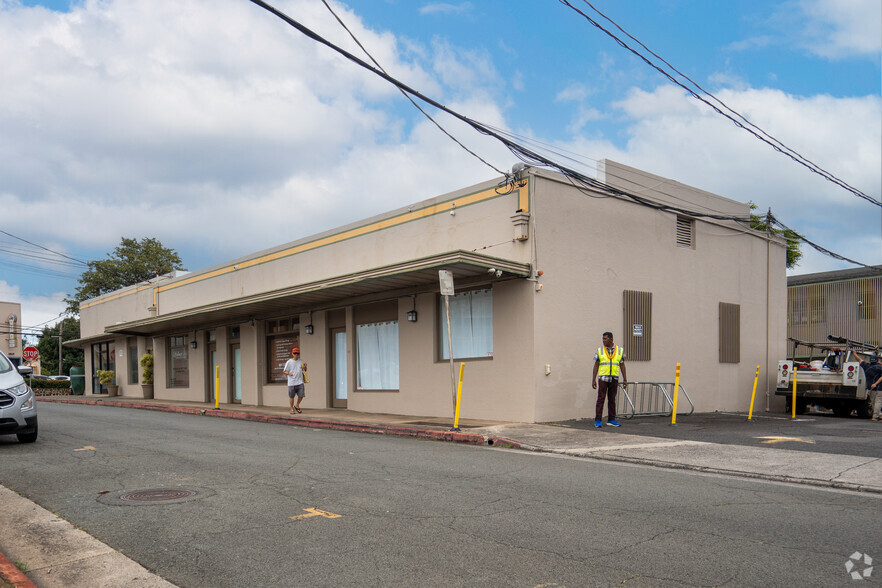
[843,303]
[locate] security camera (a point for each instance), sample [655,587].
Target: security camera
[498,273]
[518,167]
[491,271]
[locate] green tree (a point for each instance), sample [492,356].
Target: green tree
[133,261]
[760,223]
[48,347]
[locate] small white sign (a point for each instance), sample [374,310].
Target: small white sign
[446,278]
[637,330]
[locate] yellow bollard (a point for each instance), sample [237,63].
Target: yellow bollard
[753,395]
[676,391]
[458,397]
[216,387]
[793,402]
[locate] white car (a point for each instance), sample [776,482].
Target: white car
[18,407]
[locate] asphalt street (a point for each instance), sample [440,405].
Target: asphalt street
[813,432]
[374,510]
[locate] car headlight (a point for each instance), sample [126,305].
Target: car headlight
[19,390]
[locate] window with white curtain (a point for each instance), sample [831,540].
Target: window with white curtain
[471,322]
[377,355]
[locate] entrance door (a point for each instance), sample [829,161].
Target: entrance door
[236,375]
[212,373]
[340,388]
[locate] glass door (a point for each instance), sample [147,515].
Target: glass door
[212,372]
[236,378]
[340,375]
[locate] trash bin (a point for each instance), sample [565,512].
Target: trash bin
[78,380]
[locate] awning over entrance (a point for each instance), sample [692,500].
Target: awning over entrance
[418,275]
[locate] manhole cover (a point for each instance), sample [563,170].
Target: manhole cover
[153,496]
[156,495]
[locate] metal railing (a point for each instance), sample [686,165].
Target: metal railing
[650,399]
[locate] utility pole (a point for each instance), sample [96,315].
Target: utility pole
[58,336]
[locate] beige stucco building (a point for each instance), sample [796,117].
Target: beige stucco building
[10,314]
[541,269]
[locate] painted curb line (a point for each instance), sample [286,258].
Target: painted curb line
[13,575]
[355,427]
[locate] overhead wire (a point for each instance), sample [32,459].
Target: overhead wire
[526,155]
[745,125]
[79,261]
[417,106]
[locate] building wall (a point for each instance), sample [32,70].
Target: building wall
[10,332]
[592,249]
[589,249]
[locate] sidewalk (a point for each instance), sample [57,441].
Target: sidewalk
[26,528]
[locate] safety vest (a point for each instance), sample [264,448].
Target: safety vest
[609,364]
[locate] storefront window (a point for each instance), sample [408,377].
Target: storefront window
[133,363]
[178,362]
[282,336]
[471,321]
[377,356]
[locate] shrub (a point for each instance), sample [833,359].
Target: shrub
[49,384]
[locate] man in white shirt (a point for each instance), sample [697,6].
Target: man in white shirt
[294,370]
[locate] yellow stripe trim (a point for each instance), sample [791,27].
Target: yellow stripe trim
[441,207]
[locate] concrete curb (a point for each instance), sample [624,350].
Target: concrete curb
[706,469]
[468,438]
[12,575]
[377,429]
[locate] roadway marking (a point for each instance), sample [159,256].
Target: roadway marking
[86,448]
[314,512]
[772,440]
[646,445]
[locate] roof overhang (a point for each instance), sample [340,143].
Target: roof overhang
[419,275]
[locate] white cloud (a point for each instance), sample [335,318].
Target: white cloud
[574,92]
[36,311]
[676,137]
[207,125]
[842,28]
[446,8]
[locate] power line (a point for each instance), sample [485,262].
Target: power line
[523,153]
[417,106]
[759,133]
[79,261]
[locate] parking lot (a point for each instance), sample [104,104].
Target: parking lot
[814,431]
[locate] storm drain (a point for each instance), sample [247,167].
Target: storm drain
[153,496]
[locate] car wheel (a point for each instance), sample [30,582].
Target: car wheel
[28,437]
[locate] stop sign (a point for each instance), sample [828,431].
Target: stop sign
[30,353]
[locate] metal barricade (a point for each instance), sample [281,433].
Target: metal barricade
[650,399]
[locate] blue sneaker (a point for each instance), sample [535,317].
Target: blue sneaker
[598,423]
[613,423]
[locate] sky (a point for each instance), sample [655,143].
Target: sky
[221,130]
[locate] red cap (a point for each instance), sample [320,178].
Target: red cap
[295,350]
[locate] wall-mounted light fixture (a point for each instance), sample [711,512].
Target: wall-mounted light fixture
[309,329]
[412,314]
[193,344]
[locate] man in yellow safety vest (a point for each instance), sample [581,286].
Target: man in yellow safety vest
[608,362]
